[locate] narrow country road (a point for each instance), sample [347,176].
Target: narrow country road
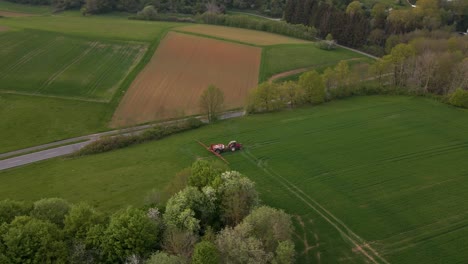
[52,152]
[41,155]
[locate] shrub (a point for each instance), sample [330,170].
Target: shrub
[9,209]
[53,210]
[148,13]
[459,98]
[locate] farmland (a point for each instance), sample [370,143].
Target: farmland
[366,179]
[63,66]
[182,67]
[281,58]
[241,35]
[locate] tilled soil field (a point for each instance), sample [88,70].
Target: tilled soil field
[182,67]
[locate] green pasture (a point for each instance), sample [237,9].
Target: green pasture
[281,58]
[378,177]
[30,9]
[39,62]
[29,120]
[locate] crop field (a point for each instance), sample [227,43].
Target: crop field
[241,35]
[21,10]
[368,180]
[281,58]
[182,67]
[97,27]
[58,65]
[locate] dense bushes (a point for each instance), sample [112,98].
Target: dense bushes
[277,27]
[459,98]
[121,141]
[215,223]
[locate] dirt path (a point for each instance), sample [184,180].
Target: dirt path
[288,73]
[300,70]
[4,28]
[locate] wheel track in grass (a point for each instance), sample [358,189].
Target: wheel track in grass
[359,243]
[77,59]
[28,57]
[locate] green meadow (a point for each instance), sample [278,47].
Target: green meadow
[367,179]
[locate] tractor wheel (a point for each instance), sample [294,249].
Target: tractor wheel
[233,149]
[218,151]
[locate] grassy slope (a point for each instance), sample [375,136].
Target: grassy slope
[393,169]
[281,58]
[30,9]
[27,120]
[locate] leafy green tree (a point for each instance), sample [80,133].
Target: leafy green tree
[285,253]
[203,174]
[30,240]
[162,257]
[266,97]
[398,59]
[238,197]
[354,8]
[51,209]
[292,93]
[205,253]
[211,102]
[270,226]
[191,208]
[130,232]
[80,219]
[9,209]
[313,85]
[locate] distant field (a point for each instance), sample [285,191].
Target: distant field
[25,9]
[381,173]
[241,35]
[182,67]
[98,27]
[281,58]
[37,62]
[30,120]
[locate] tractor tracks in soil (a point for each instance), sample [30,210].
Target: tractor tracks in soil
[359,244]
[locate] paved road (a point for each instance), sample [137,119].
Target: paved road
[40,154]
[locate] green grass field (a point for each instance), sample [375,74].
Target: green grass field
[39,62]
[96,27]
[281,58]
[368,178]
[27,120]
[30,9]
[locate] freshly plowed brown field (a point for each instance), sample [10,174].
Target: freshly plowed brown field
[13,14]
[182,67]
[242,35]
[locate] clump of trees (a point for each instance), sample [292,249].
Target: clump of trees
[214,219]
[243,21]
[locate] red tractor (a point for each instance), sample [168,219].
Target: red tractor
[220,148]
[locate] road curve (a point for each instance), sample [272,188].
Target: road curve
[68,149]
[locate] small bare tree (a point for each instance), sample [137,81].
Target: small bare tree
[211,102]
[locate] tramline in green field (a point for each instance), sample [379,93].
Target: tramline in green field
[366,179]
[45,63]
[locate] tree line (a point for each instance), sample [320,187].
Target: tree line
[213,216]
[425,66]
[272,8]
[357,25]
